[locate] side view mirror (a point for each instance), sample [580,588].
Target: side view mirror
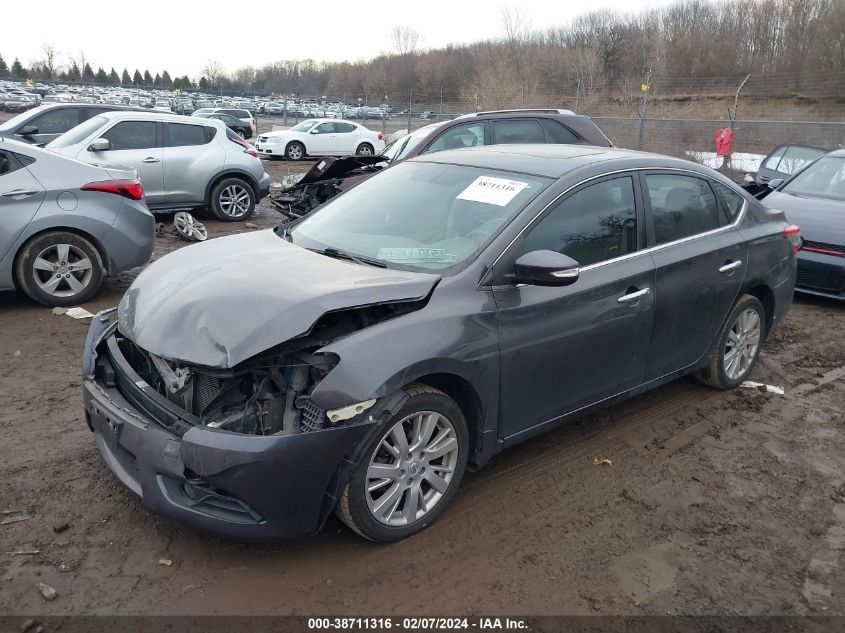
[546,268]
[314,131]
[774,183]
[99,145]
[28,130]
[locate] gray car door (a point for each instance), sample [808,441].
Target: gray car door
[190,157]
[700,260]
[564,348]
[136,144]
[51,124]
[20,197]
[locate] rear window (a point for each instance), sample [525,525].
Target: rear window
[518,131]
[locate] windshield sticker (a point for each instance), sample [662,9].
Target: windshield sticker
[490,190]
[400,254]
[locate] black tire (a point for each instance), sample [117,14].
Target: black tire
[715,374]
[371,150]
[222,205]
[295,151]
[46,247]
[241,133]
[353,509]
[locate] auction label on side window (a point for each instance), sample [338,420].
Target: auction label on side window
[490,190]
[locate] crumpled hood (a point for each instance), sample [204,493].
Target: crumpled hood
[220,302]
[820,219]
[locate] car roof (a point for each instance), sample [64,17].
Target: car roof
[153,116]
[548,160]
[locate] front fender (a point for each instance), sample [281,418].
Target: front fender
[451,335]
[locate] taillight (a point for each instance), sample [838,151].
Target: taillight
[380,136]
[248,149]
[793,232]
[127,188]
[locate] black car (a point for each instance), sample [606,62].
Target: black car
[45,123]
[242,129]
[815,199]
[441,311]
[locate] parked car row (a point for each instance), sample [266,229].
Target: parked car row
[58,232]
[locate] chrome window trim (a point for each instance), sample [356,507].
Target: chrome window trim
[740,216]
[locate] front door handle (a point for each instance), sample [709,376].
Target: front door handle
[20,193]
[728,268]
[151,159]
[633,297]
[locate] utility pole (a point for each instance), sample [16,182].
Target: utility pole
[410,107]
[646,88]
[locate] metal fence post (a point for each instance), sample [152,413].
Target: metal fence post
[410,107]
[726,162]
[440,115]
[646,87]
[577,93]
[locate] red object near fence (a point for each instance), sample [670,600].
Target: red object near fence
[723,141]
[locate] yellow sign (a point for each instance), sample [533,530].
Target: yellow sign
[644,87]
[29,81]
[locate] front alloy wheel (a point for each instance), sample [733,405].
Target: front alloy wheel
[409,470]
[742,344]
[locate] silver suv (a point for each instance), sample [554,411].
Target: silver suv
[182,162]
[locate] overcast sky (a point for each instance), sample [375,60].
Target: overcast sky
[180,36]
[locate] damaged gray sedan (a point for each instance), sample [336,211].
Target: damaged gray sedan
[359,360]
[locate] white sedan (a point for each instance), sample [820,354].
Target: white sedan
[321,137]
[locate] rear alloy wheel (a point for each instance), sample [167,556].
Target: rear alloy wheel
[365,149]
[241,133]
[739,345]
[410,470]
[59,268]
[232,200]
[295,151]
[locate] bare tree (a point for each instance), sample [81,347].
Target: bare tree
[517,27]
[49,62]
[587,66]
[405,39]
[213,71]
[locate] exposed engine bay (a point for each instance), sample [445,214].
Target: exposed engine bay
[269,394]
[326,179]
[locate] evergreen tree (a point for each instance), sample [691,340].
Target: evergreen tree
[157,81]
[166,81]
[124,78]
[148,78]
[87,73]
[4,69]
[18,71]
[137,80]
[203,85]
[114,78]
[73,73]
[101,77]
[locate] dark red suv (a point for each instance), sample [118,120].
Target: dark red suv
[497,128]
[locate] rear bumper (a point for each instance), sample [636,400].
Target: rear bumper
[238,486]
[264,186]
[821,275]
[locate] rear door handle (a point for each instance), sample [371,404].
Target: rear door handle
[20,193]
[634,296]
[728,268]
[150,159]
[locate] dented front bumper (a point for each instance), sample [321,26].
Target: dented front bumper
[240,486]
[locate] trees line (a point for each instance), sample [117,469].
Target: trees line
[597,53]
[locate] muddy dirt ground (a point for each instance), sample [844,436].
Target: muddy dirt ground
[715,502]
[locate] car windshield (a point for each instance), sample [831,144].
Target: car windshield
[304,126]
[79,133]
[824,179]
[425,216]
